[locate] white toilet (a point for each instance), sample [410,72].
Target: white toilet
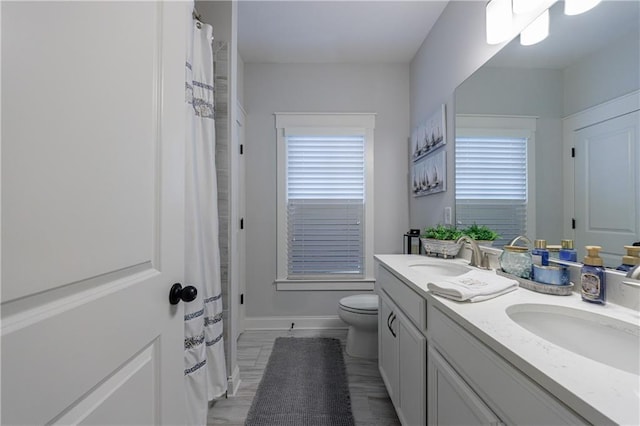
[360,312]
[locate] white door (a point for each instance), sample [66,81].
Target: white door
[607,186]
[92,212]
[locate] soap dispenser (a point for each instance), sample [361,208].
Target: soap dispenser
[540,254]
[592,278]
[567,252]
[631,259]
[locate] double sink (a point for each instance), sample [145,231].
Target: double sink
[596,336]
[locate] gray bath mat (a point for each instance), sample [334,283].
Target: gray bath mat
[305,383]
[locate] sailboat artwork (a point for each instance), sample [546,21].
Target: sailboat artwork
[428,171]
[429,174]
[429,136]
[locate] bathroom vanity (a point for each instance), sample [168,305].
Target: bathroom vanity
[520,358]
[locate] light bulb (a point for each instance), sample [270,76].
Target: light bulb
[499,21]
[525,6]
[537,31]
[576,7]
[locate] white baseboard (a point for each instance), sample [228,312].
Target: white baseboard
[284,323]
[233,382]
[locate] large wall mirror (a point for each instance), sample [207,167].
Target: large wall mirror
[511,119]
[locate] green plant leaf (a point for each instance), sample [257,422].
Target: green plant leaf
[441,232]
[481,233]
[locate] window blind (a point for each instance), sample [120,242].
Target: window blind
[325,187]
[491,184]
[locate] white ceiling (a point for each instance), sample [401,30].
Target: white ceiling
[336,31]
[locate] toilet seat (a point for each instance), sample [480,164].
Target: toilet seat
[366,304]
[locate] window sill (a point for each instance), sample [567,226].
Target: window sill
[325,285]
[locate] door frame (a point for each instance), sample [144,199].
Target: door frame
[238,204]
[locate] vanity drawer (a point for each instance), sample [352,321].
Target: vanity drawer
[410,302]
[514,397]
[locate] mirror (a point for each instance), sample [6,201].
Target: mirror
[587,59]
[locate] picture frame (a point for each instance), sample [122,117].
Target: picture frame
[429,174]
[429,135]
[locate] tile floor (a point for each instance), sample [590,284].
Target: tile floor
[369,399]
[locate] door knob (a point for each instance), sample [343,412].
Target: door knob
[177,293]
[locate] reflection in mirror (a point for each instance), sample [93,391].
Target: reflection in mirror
[535,93]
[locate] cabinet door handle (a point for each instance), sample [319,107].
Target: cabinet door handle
[391,326]
[389,319]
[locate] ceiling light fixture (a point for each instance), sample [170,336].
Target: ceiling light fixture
[576,7]
[537,31]
[525,6]
[499,21]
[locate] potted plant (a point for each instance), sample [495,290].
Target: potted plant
[441,240]
[482,234]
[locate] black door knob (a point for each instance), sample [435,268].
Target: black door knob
[177,293]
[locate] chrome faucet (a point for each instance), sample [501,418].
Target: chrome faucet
[478,259]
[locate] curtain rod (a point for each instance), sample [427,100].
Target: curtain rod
[196,15]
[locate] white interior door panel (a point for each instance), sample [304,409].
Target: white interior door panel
[607,186]
[93,129]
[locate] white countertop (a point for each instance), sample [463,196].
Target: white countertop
[597,392]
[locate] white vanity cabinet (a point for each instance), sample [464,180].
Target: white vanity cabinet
[402,350]
[470,384]
[451,363]
[451,400]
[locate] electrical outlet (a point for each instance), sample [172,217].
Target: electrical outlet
[447,215]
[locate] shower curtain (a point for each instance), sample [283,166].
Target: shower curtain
[205,369]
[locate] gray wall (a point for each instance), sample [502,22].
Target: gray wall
[452,51]
[593,80]
[240,81]
[219,15]
[270,88]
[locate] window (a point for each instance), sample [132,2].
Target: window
[494,178]
[325,213]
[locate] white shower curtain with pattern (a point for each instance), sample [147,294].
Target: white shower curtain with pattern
[205,369]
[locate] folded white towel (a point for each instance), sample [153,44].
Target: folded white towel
[474,286]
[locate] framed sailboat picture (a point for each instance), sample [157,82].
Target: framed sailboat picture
[429,174]
[430,135]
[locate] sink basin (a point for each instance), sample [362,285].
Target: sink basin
[449,270]
[598,337]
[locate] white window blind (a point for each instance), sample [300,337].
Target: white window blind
[325,195]
[491,184]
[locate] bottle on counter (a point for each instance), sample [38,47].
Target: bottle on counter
[592,278]
[554,251]
[631,259]
[567,252]
[540,254]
